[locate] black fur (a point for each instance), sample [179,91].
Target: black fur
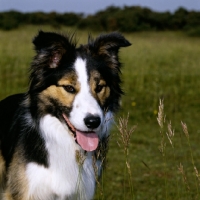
[16,132]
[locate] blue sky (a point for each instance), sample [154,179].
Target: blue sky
[92,6]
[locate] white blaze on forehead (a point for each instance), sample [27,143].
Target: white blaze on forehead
[84,103]
[80,67]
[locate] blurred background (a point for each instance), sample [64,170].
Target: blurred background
[99,15]
[163,63]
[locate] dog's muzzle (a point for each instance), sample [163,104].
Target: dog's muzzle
[88,140]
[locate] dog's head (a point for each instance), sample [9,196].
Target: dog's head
[79,86]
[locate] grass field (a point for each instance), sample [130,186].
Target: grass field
[158,65]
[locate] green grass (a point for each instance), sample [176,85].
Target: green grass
[158,65]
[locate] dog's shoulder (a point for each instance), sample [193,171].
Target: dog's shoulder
[10,104]
[9,115]
[17,130]
[8,108]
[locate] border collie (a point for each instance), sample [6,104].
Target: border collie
[52,137]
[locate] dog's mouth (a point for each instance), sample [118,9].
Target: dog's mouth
[87,140]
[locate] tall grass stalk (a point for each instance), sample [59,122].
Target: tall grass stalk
[124,142]
[100,156]
[96,172]
[170,135]
[184,177]
[162,147]
[197,175]
[185,130]
[80,158]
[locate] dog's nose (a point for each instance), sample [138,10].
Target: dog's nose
[92,121]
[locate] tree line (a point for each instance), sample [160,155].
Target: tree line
[126,19]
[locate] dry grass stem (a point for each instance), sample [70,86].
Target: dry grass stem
[185,130]
[197,174]
[170,134]
[102,150]
[161,116]
[125,133]
[129,168]
[181,170]
[80,157]
[162,147]
[96,173]
[100,157]
[124,141]
[170,131]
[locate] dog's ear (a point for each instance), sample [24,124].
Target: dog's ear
[51,47]
[107,45]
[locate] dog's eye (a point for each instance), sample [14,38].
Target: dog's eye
[69,89]
[99,88]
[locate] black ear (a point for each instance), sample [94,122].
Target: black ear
[51,47]
[108,44]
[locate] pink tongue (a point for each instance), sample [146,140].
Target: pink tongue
[88,141]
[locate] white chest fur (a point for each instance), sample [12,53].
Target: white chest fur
[65,178]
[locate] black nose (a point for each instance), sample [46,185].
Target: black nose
[92,121]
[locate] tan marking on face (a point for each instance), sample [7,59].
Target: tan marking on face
[95,80]
[70,78]
[17,182]
[58,92]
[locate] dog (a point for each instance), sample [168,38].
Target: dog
[53,137]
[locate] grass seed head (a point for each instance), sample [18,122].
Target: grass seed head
[170,134]
[185,129]
[161,116]
[125,133]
